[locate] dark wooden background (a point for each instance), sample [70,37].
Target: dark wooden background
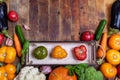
[59,20]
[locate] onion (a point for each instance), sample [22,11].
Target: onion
[9,42]
[45,69]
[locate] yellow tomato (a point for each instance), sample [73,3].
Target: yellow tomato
[114,42]
[108,70]
[113,56]
[7,72]
[7,54]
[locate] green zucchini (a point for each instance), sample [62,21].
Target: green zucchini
[20,34]
[100,29]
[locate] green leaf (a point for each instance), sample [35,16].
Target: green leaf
[69,66]
[18,67]
[6,33]
[71,72]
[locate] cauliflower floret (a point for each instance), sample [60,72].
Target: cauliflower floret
[22,73]
[30,73]
[41,77]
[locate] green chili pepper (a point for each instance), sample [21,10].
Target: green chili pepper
[24,51]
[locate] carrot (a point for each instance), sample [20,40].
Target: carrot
[18,46]
[103,44]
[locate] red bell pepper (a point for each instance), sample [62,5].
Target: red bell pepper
[80,52]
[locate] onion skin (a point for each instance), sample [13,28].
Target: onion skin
[45,69]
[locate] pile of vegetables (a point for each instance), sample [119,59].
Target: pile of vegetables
[107,53]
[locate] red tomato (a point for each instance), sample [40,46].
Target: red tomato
[80,52]
[13,16]
[1,39]
[87,36]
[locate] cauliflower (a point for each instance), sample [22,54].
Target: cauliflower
[30,73]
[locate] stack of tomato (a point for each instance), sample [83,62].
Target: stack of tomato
[110,68]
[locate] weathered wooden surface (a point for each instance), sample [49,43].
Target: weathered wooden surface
[59,20]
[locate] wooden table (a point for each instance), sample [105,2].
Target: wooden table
[59,20]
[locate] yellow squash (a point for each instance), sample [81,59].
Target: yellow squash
[7,54]
[7,72]
[59,52]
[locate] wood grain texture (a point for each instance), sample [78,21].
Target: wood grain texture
[43,20]
[75,29]
[54,27]
[59,20]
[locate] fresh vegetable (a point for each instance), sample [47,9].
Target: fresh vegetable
[118,70]
[100,29]
[87,36]
[9,42]
[112,31]
[115,17]
[2,64]
[103,44]
[58,52]
[3,16]
[24,51]
[20,34]
[85,72]
[114,41]
[6,34]
[40,52]
[30,73]
[7,54]
[61,73]
[80,52]
[45,69]
[7,72]
[113,57]
[18,67]
[108,70]
[1,39]
[18,45]
[13,16]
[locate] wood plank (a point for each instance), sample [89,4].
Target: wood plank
[84,17]
[43,20]
[75,20]
[12,6]
[65,20]
[54,20]
[92,15]
[33,20]
[24,17]
[100,13]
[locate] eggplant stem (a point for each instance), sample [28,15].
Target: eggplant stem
[1,1]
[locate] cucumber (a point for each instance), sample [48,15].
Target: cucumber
[20,34]
[100,29]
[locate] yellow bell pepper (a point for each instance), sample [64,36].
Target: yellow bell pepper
[7,72]
[7,54]
[59,52]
